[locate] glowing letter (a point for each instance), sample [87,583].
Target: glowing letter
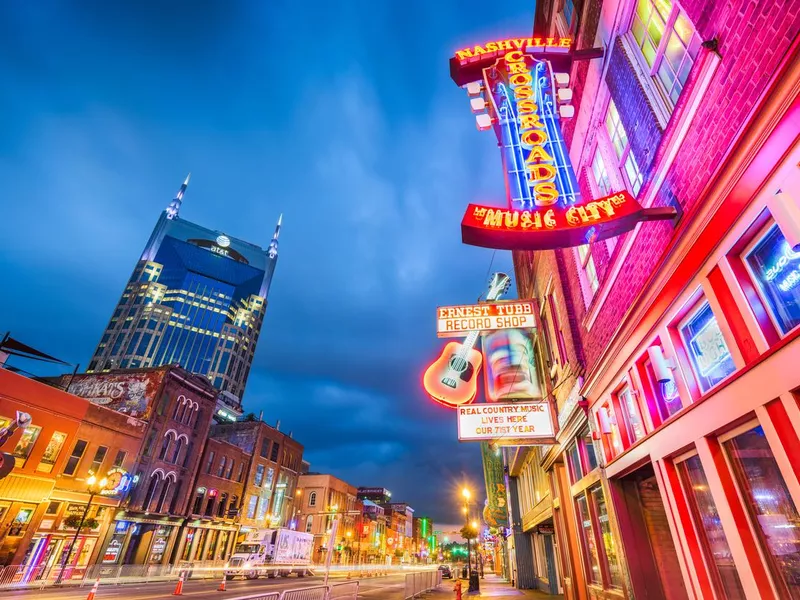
[538,153]
[520,79]
[491,47]
[549,219]
[523,92]
[529,121]
[546,194]
[515,56]
[565,42]
[494,218]
[572,218]
[517,67]
[533,137]
[462,54]
[541,172]
[504,45]
[512,218]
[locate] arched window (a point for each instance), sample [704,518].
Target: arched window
[176,453]
[191,412]
[169,484]
[188,456]
[155,479]
[162,455]
[312,499]
[309,523]
[180,403]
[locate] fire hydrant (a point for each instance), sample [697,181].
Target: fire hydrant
[457,590]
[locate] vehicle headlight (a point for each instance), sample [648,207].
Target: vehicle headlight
[246,565]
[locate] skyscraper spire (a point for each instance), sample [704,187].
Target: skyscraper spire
[273,245]
[175,206]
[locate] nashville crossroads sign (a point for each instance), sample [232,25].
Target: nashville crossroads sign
[544,208]
[556,226]
[458,321]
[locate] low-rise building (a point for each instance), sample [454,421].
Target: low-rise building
[325,498]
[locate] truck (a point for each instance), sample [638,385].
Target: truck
[271,552]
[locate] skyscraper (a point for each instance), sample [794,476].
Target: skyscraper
[196,297]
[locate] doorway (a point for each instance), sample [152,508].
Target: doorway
[652,559]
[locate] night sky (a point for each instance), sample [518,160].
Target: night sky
[340,115]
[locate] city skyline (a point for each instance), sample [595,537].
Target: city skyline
[370,244]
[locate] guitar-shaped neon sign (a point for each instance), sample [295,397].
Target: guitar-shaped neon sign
[452,379]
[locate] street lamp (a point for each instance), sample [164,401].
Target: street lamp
[94,487]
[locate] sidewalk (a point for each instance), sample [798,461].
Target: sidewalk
[492,586]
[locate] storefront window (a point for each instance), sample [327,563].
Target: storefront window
[575,462]
[51,452]
[708,352]
[704,513]
[591,456]
[587,537]
[252,501]
[25,444]
[634,418]
[770,506]
[609,547]
[776,270]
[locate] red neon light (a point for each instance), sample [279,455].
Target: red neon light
[556,226]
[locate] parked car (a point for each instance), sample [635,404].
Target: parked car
[446,573]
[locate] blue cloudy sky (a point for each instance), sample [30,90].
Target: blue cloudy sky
[342,116]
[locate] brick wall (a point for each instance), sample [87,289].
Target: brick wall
[752,38]
[655,518]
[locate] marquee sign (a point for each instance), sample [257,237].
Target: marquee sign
[521,87]
[458,321]
[509,424]
[556,226]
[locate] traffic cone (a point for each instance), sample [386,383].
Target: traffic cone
[179,587]
[221,587]
[93,591]
[348,574]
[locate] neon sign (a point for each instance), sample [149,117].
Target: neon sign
[523,84]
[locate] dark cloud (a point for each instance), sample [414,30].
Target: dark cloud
[342,117]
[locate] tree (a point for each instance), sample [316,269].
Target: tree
[468,533]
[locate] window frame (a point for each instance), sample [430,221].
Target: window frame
[626,385]
[78,460]
[762,233]
[698,306]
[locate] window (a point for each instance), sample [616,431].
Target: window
[607,540]
[51,452]
[230,469]
[309,523]
[275,449]
[148,446]
[667,398]
[252,502]
[591,559]
[622,149]
[259,476]
[162,454]
[265,448]
[630,408]
[770,506]
[119,459]
[711,360]
[25,444]
[241,472]
[575,463]
[569,12]
[52,508]
[210,463]
[600,173]
[312,499]
[223,503]
[775,268]
[222,464]
[263,505]
[707,522]
[177,451]
[588,445]
[75,457]
[587,267]
[97,461]
[668,43]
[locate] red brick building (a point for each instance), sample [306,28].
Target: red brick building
[69,440]
[671,352]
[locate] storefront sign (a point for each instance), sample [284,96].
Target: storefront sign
[111,555]
[495,512]
[131,394]
[524,97]
[458,321]
[556,226]
[509,422]
[545,529]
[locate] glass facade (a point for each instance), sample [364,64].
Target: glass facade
[196,298]
[776,270]
[609,545]
[587,538]
[770,505]
[708,352]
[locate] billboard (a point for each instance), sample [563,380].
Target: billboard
[495,512]
[509,366]
[130,393]
[520,88]
[458,321]
[506,424]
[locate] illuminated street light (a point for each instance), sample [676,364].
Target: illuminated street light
[465,493]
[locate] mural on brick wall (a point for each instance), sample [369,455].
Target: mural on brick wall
[130,393]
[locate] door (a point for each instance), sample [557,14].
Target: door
[550,559]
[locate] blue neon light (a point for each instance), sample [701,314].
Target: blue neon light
[521,195]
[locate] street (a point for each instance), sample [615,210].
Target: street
[381,588]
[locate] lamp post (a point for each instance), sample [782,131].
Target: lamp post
[297,493]
[93,491]
[466,493]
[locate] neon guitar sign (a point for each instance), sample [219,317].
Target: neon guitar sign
[452,379]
